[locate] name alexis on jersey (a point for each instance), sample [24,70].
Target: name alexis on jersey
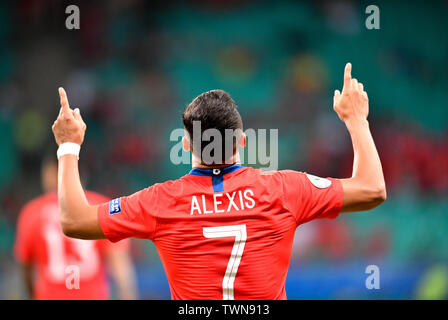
[222,202]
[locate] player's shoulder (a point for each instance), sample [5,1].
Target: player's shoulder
[280,174]
[158,188]
[294,175]
[292,179]
[303,178]
[171,186]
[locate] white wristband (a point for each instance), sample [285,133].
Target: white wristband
[68,148]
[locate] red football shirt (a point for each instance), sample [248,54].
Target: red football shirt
[224,233]
[41,242]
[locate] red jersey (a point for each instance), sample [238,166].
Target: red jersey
[224,233]
[41,242]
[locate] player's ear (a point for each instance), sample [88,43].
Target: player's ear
[185,144]
[243,140]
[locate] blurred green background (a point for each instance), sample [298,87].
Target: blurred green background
[134,65]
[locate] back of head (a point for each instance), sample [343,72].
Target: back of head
[211,114]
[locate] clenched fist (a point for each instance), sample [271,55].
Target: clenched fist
[352,104]
[69,126]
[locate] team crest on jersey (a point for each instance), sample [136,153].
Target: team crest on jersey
[319,182]
[115,206]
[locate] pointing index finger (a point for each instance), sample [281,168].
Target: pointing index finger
[347,74]
[64,101]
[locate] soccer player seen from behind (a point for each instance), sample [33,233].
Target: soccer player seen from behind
[58,267]
[223,231]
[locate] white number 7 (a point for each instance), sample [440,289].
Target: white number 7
[239,232]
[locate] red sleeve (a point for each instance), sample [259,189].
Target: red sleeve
[104,245]
[309,197]
[131,216]
[23,246]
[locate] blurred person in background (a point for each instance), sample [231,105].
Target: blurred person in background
[50,260]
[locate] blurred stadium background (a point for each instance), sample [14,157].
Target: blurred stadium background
[134,65]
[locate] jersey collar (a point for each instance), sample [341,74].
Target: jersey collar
[216,171]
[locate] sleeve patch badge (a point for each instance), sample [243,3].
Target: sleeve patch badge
[115,206]
[318,182]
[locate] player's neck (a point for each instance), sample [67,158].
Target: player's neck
[196,163]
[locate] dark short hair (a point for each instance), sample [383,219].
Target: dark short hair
[213,109]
